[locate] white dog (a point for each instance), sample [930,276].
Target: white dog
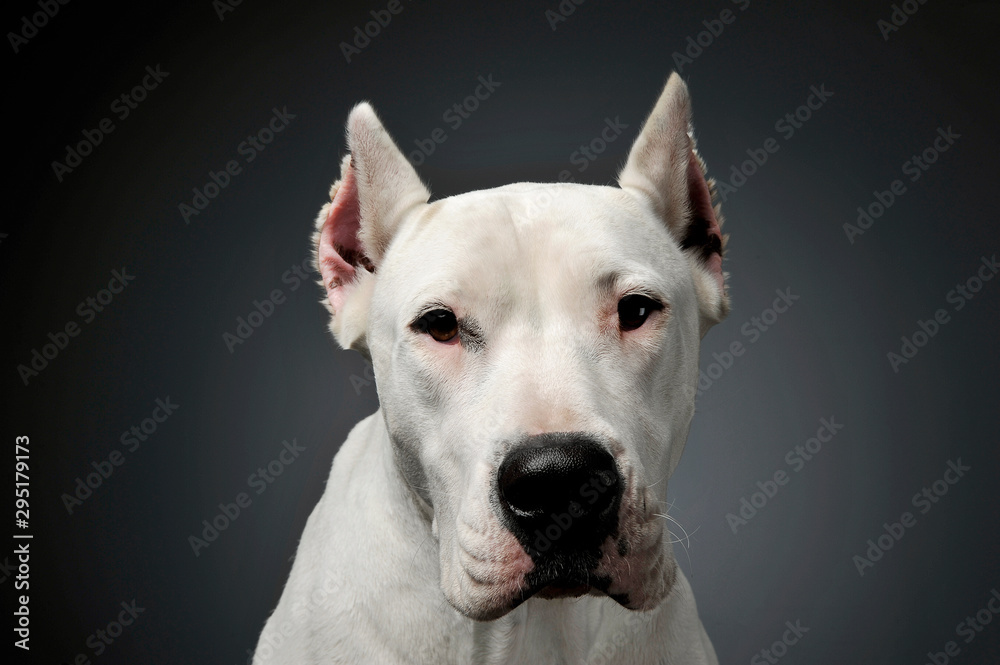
[535,348]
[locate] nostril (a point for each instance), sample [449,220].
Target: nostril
[539,480]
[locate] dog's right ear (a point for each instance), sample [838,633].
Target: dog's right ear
[376,190]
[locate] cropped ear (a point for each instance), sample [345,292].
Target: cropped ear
[664,168]
[376,190]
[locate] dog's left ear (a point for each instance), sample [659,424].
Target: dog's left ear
[664,168]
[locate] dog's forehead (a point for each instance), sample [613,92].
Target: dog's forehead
[536,234]
[532,211]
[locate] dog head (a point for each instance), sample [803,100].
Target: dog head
[535,348]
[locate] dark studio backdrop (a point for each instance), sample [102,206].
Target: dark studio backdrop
[161,358]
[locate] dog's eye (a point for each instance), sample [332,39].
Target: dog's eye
[440,324]
[634,309]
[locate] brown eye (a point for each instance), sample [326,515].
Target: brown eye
[440,324]
[633,310]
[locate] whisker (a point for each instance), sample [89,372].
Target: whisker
[415,553]
[435,491]
[685,541]
[652,484]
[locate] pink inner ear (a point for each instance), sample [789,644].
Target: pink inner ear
[339,247]
[344,217]
[703,233]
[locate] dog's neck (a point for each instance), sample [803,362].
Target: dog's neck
[537,627]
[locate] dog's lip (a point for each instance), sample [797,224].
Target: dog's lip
[563,589]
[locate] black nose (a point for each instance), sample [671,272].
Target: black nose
[560,492]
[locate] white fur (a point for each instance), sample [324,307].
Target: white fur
[404,559]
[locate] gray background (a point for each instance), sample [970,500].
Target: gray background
[163,336]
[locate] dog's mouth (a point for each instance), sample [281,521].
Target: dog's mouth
[563,589]
[632,580]
[608,544]
[565,576]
